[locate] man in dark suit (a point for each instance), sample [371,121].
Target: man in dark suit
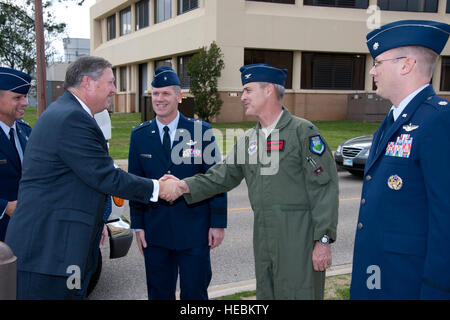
[67,175]
[173,236]
[14,133]
[401,245]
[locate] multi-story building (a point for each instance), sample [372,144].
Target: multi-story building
[320,42]
[75,48]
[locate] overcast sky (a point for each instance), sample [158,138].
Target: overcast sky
[76,17]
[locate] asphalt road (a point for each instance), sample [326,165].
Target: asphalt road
[124,278]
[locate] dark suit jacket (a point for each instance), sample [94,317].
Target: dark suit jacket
[401,246]
[10,171]
[175,225]
[66,176]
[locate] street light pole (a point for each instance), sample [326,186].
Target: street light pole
[41,73]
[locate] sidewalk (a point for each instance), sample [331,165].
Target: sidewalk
[218,291]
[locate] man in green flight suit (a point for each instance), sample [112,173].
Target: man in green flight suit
[292,185]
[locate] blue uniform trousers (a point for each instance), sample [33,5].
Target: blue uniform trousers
[163,265]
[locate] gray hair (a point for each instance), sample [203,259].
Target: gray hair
[279,89]
[90,66]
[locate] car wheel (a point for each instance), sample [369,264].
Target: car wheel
[96,276]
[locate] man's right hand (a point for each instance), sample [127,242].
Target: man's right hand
[10,207]
[140,240]
[171,188]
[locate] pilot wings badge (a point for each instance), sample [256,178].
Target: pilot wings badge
[410,127]
[191,143]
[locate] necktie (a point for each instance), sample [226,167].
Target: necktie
[166,142]
[13,142]
[388,124]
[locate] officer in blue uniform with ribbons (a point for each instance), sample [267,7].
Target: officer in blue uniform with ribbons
[14,133]
[402,238]
[175,237]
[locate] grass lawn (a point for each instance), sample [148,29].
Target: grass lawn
[336,288]
[334,131]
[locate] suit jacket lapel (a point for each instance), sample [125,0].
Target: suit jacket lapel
[406,116]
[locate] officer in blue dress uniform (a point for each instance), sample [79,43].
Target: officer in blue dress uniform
[14,133]
[402,238]
[175,237]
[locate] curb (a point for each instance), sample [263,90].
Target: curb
[218,291]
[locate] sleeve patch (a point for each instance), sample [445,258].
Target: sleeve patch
[316,145]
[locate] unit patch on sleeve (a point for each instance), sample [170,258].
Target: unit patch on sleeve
[316,145]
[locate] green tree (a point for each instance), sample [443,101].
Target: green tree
[205,68]
[17,34]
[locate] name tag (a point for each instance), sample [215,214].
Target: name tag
[275,145]
[144,155]
[3,161]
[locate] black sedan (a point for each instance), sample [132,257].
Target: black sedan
[352,154]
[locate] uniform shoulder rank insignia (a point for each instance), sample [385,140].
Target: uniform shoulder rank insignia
[443,103]
[316,145]
[410,127]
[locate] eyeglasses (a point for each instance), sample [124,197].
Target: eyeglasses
[377,63]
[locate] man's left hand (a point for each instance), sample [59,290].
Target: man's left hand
[215,237]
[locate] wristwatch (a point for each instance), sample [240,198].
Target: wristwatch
[325,239]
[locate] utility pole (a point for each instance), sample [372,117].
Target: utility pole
[41,73]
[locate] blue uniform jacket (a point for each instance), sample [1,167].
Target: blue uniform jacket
[10,172]
[175,225]
[402,239]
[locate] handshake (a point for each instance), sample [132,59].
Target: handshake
[171,188]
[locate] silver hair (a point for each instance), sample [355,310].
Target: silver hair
[279,89]
[90,66]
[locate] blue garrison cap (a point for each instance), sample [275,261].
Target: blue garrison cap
[164,77]
[424,33]
[14,80]
[261,72]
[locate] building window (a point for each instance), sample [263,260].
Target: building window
[123,79]
[409,5]
[163,10]
[276,1]
[277,59]
[330,71]
[358,4]
[125,21]
[164,62]
[111,25]
[447,9]
[445,74]
[142,14]
[187,5]
[185,79]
